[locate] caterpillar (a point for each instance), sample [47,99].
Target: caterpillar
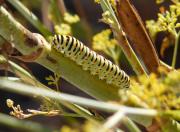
[89,60]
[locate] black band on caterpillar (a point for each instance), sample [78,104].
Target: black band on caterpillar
[90,60]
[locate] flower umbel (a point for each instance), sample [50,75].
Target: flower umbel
[103,42]
[161,93]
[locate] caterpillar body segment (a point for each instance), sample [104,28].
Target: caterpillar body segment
[90,60]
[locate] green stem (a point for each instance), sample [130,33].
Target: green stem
[132,127]
[22,125]
[116,59]
[30,17]
[116,118]
[81,111]
[62,7]
[29,43]
[177,36]
[114,55]
[106,6]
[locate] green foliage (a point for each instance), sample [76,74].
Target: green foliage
[53,80]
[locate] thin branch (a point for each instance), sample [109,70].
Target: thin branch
[177,38]
[118,117]
[166,66]
[22,125]
[84,20]
[44,12]
[36,91]
[30,17]
[61,6]
[130,125]
[114,120]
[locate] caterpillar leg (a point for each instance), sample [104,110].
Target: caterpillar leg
[88,63]
[111,74]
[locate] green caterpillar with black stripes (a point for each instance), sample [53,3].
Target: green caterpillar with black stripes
[90,60]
